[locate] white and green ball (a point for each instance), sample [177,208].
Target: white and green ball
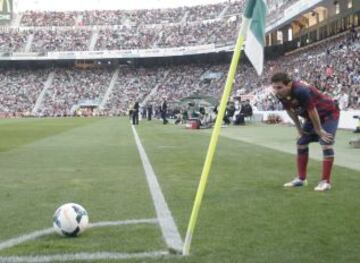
[70,220]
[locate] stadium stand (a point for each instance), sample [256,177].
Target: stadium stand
[13,40]
[19,90]
[70,87]
[44,19]
[64,40]
[127,29]
[133,85]
[332,64]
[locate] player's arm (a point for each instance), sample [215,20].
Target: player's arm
[296,121]
[315,119]
[303,95]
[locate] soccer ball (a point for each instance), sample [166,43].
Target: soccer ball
[70,220]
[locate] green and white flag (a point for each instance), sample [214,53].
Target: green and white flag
[253,31]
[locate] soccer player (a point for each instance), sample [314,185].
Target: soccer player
[321,117]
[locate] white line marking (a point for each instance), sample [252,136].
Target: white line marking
[18,240]
[167,224]
[81,256]
[21,239]
[125,222]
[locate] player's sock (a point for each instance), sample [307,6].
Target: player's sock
[302,161]
[327,164]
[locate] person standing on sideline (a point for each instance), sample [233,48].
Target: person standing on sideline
[163,109]
[135,114]
[149,111]
[321,116]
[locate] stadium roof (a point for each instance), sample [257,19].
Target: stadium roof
[71,5]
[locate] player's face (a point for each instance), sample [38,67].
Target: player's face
[280,89]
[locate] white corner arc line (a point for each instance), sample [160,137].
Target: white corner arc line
[81,256]
[125,222]
[36,234]
[18,240]
[166,221]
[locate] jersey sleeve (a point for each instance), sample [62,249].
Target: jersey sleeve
[304,97]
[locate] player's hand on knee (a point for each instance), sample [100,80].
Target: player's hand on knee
[325,136]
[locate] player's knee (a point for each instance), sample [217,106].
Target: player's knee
[302,146]
[302,149]
[328,151]
[303,140]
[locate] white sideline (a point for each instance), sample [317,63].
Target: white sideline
[81,256]
[167,224]
[18,240]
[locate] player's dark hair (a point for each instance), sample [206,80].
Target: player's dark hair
[281,77]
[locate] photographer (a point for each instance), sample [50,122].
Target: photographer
[246,109]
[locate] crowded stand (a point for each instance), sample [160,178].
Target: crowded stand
[106,17]
[197,13]
[72,86]
[19,90]
[126,38]
[155,16]
[340,79]
[133,17]
[178,86]
[198,34]
[13,40]
[139,37]
[133,84]
[145,16]
[331,65]
[45,19]
[64,40]
[237,7]
[126,29]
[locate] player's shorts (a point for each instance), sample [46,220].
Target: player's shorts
[330,126]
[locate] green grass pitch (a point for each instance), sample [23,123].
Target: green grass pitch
[246,215]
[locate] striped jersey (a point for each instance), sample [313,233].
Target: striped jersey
[306,97]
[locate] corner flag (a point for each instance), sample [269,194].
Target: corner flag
[253,31]
[255,20]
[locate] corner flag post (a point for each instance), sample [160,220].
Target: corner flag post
[251,9]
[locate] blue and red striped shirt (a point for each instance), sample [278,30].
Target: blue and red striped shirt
[305,97]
